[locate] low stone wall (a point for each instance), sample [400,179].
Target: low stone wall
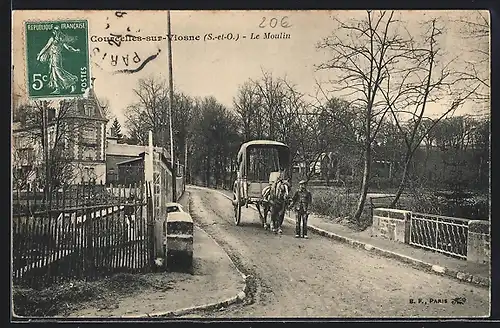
[392,224]
[479,242]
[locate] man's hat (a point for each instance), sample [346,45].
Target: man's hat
[302,182]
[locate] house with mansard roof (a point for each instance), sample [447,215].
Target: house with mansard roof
[76,131]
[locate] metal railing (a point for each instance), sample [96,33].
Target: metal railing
[439,233]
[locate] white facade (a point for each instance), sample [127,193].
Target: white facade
[81,132]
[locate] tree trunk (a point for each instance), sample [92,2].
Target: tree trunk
[216,177]
[217,172]
[207,171]
[426,160]
[337,170]
[402,183]
[479,178]
[364,185]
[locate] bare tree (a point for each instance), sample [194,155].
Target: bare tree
[64,126]
[290,103]
[214,141]
[273,108]
[307,146]
[299,126]
[325,128]
[481,139]
[182,113]
[457,132]
[474,28]
[150,112]
[247,104]
[428,78]
[364,53]
[267,107]
[341,128]
[25,160]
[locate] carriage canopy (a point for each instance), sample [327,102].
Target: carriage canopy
[257,158]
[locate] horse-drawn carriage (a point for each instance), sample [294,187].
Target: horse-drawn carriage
[264,172]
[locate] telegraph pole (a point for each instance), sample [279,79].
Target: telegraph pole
[45,136]
[171,100]
[185,163]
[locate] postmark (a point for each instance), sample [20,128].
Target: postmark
[123,47]
[57,58]
[108,49]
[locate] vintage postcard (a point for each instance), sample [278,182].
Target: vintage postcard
[241,164]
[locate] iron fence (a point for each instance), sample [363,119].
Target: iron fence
[86,232]
[439,233]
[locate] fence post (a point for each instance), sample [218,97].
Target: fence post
[150,222]
[408,219]
[478,247]
[88,250]
[46,234]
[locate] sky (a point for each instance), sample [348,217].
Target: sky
[206,67]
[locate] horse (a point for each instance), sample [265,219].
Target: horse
[276,199]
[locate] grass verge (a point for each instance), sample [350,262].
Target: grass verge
[338,205]
[63,299]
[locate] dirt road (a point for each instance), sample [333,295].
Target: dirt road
[320,277]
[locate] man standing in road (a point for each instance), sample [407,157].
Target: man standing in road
[301,200]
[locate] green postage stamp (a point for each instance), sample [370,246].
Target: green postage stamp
[57,58]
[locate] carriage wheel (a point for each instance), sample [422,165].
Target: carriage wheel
[237,214]
[237,210]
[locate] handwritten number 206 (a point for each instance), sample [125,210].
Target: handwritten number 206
[273,22]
